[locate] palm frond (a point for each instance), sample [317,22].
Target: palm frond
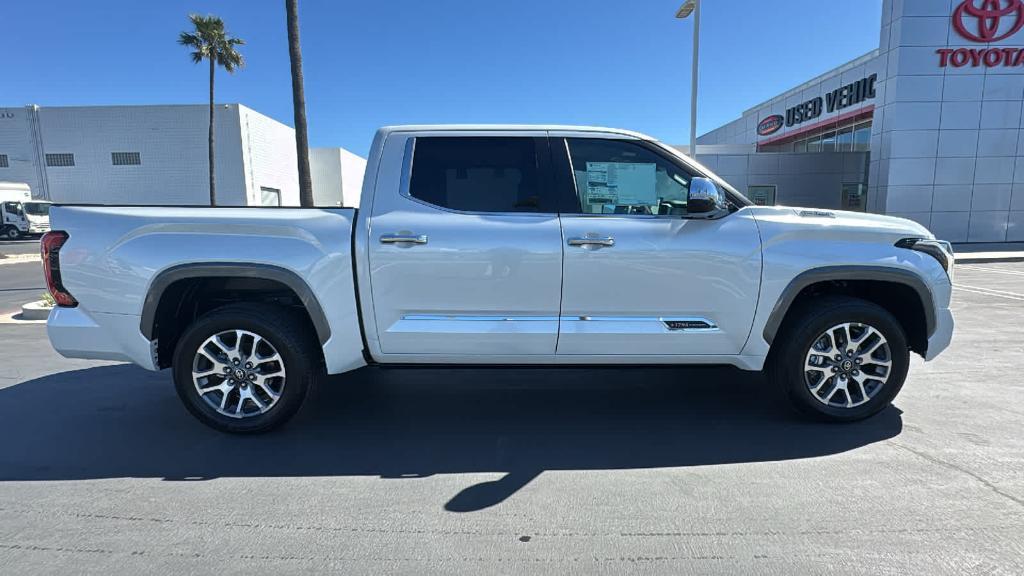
[209,40]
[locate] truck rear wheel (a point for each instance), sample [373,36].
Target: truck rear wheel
[840,358]
[245,368]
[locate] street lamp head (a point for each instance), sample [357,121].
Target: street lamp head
[686,9]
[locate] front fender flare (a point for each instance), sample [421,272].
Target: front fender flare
[853,272]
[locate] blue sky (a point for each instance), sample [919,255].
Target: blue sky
[372,63]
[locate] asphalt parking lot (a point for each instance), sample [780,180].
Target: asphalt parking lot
[523,471]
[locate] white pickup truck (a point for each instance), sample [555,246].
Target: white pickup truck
[501,245]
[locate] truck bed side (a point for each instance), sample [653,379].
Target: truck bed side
[116,257]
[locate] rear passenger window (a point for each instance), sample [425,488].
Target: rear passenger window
[478,174]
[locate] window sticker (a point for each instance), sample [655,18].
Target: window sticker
[621,183]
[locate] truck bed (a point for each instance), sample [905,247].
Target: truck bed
[115,254]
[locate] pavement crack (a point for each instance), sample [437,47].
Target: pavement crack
[962,470]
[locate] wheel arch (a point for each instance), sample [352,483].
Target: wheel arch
[175,285]
[902,292]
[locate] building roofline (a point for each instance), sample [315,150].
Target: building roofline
[863,58]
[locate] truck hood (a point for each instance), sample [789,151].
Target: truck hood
[850,225]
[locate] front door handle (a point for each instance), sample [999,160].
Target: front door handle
[403,239]
[607,241]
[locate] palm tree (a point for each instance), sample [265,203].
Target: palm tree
[299,104]
[209,41]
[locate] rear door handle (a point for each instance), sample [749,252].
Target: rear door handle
[403,239]
[607,241]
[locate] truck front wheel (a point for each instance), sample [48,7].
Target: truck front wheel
[10,233]
[245,368]
[840,358]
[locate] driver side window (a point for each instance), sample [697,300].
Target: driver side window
[624,177]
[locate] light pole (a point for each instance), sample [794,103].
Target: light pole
[684,11]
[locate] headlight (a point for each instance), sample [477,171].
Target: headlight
[938,249]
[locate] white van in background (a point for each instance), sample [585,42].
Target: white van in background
[19,214]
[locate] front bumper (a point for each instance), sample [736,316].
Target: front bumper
[943,335]
[77,333]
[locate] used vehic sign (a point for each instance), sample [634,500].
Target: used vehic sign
[770,125]
[985,21]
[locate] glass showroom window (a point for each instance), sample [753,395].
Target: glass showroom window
[844,140]
[762,195]
[854,197]
[862,138]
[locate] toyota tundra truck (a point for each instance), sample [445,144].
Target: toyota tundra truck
[503,246]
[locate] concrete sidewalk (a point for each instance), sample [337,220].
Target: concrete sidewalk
[17,258]
[989,252]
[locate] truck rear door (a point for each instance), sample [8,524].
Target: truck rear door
[465,247]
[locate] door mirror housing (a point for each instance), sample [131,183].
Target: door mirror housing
[705,199]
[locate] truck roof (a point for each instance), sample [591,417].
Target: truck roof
[509,128]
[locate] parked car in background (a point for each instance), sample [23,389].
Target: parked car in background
[501,245]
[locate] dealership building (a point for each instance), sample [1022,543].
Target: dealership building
[157,155]
[927,127]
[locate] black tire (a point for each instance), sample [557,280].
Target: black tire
[293,341]
[802,329]
[10,233]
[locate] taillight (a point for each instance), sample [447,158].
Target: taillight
[49,247]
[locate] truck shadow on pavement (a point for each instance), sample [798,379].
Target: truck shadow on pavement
[121,421]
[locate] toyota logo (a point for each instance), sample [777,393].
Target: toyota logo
[989,16]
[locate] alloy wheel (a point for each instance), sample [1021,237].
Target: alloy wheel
[847,365]
[238,373]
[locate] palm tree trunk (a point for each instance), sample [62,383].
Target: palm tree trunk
[213,185]
[299,103]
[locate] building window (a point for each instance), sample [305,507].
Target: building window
[270,196]
[125,158]
[762,195]
[828,142]
[60,160]
[3,161]
[862,138]
[844,140]
[854,197]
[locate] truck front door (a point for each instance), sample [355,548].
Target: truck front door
[642,278]
[465,248]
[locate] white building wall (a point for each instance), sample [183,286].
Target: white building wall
[171,142]
[325,168]
[16,142]
[253,151]
[268,148]
[353,168]
[337,176]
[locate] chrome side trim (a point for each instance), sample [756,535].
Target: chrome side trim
[692,323]
[439,317]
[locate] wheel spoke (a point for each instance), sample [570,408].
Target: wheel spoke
[819,385]
[863,391]
[847,365]
[265,377]
[268,391]
[224,400]
[831,393]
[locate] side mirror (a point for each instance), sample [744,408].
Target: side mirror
[705,199]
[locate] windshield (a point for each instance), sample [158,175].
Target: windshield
[37,208]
